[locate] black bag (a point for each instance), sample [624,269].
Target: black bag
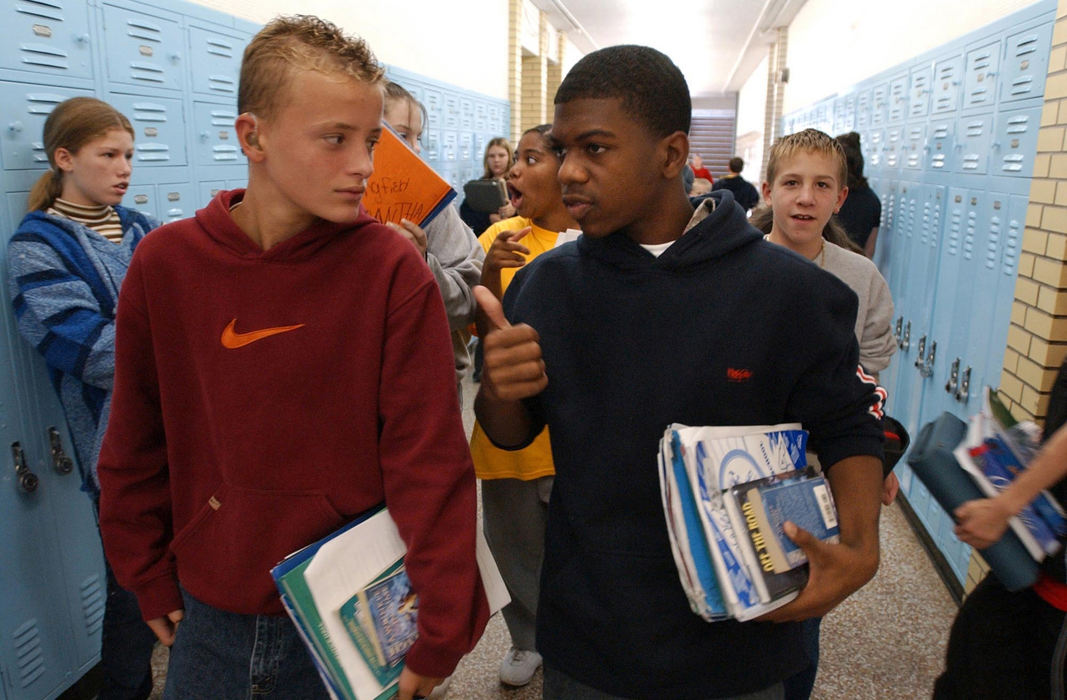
[486,196]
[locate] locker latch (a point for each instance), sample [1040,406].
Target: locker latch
[62,463]
[953,376]
[965,386]
[926,365]
[905,340]
[922,351]
[899,329]
[28,481]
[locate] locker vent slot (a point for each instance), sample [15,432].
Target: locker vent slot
[147,72]
[217,48]
[93,598]
[42,55]
[993,244]
[1011,248]
[41,8]
[28,654]
[1022,85]
[144,30]
[221,83]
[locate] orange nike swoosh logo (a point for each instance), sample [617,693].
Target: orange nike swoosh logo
[232,339]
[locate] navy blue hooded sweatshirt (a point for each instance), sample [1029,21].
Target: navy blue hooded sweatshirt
[722,329]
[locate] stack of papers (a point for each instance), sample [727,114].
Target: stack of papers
[726,492]
[352,603]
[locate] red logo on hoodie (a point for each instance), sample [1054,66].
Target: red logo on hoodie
[738,375]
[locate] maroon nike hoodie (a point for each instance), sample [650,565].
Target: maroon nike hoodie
[264,398]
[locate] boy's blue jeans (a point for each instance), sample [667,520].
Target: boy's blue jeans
[227,656]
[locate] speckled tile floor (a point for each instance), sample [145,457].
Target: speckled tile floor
[886,642]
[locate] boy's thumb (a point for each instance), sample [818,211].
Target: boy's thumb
[491,307]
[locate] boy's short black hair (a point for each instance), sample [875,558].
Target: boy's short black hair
[736,164]
[652,89]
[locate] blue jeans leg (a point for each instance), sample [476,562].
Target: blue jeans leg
[219,655]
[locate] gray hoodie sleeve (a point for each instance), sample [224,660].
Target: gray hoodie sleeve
[455,258]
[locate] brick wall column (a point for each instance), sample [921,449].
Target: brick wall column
[1037,338]
[515,65]
[772,111]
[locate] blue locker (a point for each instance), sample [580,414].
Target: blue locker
[216,140]
[176,201]
[894,146]
[1015,142]
[863,110]
[873,144]
[48,41]
[975,137]
[159,123]
[980,83]
[1025,63]
[898,99]
[24,108]
[941,146]
[948,75]
[913,151]
[215,63]
[206,191]
[143,49]
[879,104]
[919,91]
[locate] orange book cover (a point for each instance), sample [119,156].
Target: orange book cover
[403,186]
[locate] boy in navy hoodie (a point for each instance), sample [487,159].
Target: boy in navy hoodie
[662,314]
[284,364]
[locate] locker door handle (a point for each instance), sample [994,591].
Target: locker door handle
[920,360]
[926,366]
[965,385]
[905,341]
[28,481]
[62,463]
[953,376]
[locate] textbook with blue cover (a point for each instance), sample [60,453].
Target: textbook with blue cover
[353,605]
[715,540]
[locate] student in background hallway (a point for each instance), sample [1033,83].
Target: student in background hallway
[601,341]
[699,170]
[66,263]
[805,186]
[1005,644]
[861,213]
[497,159]
[283,364]
[744,191]
[516,484]
[447,244]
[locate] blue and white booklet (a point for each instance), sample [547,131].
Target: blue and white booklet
[719,567]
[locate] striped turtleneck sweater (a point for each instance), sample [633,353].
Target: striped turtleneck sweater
[101,218]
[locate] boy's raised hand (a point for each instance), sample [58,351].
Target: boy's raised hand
[512,368]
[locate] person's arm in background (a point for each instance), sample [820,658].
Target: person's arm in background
[57,312]
[982,522]
[872,240]
[454,255]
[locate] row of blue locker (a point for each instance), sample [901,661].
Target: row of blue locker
[123,45]
[951,257]
[988,68]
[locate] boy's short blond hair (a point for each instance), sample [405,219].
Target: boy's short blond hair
[807,141]
[299,43]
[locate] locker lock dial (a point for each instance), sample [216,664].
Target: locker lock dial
[62,463]
[28,481]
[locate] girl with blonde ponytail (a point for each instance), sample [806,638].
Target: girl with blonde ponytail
[65,264]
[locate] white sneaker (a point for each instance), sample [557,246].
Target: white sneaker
[518,667]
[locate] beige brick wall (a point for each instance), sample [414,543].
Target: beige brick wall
[532,78]
[1037,338]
